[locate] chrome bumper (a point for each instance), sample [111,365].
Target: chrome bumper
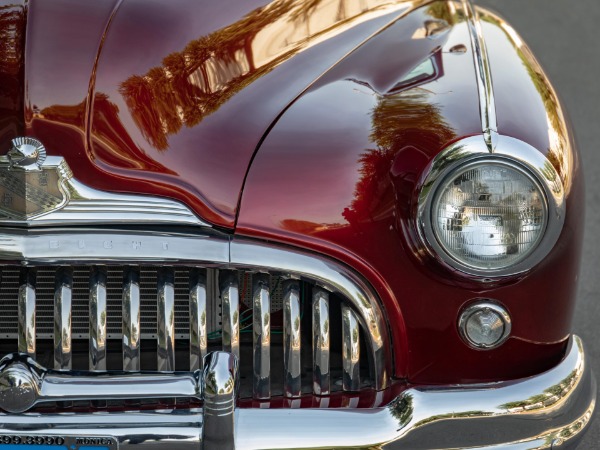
[547,411]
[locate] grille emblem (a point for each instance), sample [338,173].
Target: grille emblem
[30,186]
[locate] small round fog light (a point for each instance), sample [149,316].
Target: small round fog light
[484,325]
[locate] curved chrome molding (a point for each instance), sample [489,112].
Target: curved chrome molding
[24,384]
[483,73]
[511,151]
[557,404]
[210,249]
[55,197]
[335,278]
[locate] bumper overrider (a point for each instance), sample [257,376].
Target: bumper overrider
[547,411]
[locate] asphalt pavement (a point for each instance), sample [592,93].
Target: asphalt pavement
[564,37]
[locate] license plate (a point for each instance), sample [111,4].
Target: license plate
[56,442]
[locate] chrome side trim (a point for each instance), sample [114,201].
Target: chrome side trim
[292,342]
[98,318]
[483,73]
[220,386]
[26,339]
[350,350]
[198,318]
[509,151]
[230,304]
[131,319]
[334,277]
[320,326]
[62,318]
[261,336]
[166,320]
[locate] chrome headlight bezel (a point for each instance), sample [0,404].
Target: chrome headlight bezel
[509,152]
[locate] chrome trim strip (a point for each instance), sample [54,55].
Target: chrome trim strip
[321,341]
[96,246]
[509,151]
[131,319]
[292,342]
[62,318]
[219,387]
[350,350]
[24,384]
[97,353]
[261,336]
[531,413]
[26,331]
[334,277]
[198,318]
[83,205]
[230,305]
[166,319]
[483,73]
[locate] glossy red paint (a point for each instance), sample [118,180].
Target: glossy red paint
[346,159]
[12,39]
[172,98]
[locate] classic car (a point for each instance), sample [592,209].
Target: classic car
[290,224]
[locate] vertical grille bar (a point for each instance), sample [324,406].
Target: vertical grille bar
[261,336]
[26,331]
[292,368]
[230,305]
[97,353]
[131,319]
[320,322]
[166,319]
[198,319]
[350,350]
[63,294]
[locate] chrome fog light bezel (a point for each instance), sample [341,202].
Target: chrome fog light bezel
[510,152]
[484,306]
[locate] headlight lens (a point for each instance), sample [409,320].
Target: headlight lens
[489,215]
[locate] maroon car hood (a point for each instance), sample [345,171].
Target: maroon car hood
[169,98]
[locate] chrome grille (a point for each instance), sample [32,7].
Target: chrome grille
[268,320]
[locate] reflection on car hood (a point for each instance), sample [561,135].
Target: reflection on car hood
[170,98]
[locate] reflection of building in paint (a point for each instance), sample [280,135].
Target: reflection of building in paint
[195,82]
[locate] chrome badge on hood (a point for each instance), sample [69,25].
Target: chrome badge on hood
[30,186]
[36,189]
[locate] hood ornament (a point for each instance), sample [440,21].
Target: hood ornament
[37,189]
[27,153]
[31,184]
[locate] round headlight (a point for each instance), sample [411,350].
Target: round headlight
[489,215]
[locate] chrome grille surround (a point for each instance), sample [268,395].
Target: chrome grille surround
[206,262]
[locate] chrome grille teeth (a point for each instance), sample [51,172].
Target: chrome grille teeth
[292,364]
[63,289]
[26,333]
[166,319]
[98,316]
[207,290]
[321,342]
[261,336]
[198,318]
[131,319]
